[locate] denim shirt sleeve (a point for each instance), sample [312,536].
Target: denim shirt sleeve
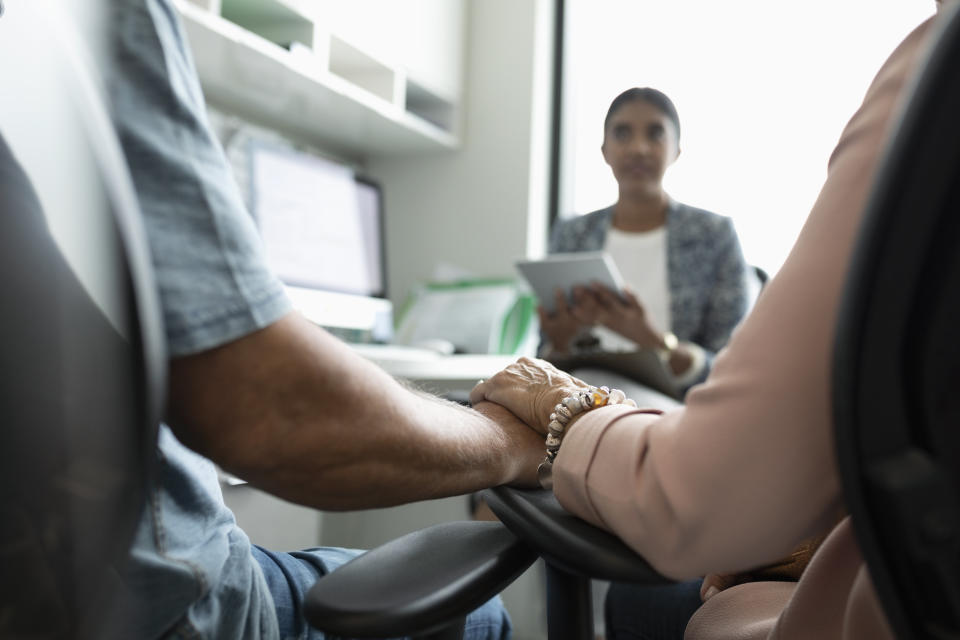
[189,573]
[215,285]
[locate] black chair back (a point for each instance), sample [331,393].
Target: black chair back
[82,350]
[896,387]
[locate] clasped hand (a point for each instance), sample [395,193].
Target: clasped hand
[598,305]
[529,389]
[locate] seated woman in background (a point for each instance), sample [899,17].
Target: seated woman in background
[685,270]
[688,290]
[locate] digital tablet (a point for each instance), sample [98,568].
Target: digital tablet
[567,270]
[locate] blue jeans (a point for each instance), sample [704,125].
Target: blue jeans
[650,612]
[290,575]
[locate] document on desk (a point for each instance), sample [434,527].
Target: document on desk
[469,314]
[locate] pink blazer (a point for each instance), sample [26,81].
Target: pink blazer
[745,471]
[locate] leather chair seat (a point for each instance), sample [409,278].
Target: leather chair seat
[744,612]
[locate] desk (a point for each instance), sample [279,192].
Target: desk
[443,375]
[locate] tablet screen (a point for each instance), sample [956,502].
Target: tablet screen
[567,270]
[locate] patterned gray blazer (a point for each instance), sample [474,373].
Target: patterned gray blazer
[706,271]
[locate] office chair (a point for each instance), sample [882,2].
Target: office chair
[463,564]
[458,567]
[83,354]
[897,361]
[574,552]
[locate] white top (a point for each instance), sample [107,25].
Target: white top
[642,261]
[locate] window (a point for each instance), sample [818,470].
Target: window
[763,90]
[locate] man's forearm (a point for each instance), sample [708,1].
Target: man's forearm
[297,413]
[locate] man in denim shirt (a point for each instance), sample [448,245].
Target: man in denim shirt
[258,389]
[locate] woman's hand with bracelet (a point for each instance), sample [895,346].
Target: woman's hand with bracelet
[529,389]
[547,400]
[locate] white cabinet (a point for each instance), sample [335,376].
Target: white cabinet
[285,65]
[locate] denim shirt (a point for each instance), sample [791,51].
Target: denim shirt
[190,573]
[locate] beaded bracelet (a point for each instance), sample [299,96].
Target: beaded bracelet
[564,412]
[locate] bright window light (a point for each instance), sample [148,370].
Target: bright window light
[763,89]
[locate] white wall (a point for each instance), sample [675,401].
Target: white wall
[484,206]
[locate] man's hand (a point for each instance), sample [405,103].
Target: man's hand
[529,389]
[295,412]
[514,428]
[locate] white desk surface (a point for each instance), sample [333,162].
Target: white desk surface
[434,371]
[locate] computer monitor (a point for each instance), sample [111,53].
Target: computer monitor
[322,225]
[322,228]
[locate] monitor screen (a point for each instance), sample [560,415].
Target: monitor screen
[322,226]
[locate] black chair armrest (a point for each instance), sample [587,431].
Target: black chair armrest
[419,583]
[565,541]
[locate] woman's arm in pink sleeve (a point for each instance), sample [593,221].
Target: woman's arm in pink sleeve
[745,470]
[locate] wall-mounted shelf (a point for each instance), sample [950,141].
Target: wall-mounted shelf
[429,105]
[279,21]
[271,64]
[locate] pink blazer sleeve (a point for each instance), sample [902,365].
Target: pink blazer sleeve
[745,470]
